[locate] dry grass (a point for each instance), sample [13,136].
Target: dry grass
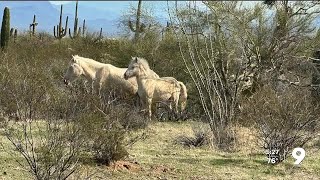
[158,157]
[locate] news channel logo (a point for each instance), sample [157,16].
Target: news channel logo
[274,155]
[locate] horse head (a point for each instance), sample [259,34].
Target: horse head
[73,72]
[137,67]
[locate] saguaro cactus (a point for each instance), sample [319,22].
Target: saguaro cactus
[11,31]
[100,37]
[33,26]
[140,27]
[76,31]
[83,28]
[58,31]
[5,28]
[75,26]
[13,34]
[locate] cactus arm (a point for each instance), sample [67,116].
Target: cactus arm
[75,27]
[100,35]
[34,25]
[15,35]
[70,34]
[138,15]
[60,21]
[11,31]
[79,31]
[131,26]
[65,29]
[58,32]
[142,27]
[83,27]
[54,31]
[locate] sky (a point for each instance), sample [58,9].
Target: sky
[59,2]
[247,3]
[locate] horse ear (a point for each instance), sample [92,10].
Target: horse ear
[73,59]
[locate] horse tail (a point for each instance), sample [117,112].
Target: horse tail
[183,95]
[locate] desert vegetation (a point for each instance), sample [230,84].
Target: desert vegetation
[252,78]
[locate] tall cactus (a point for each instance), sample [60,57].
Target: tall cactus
[76,31]
[75,26]
[58,31]
[5,28]
[83,28]
[11,31]
[140,27]
[13,34]
[33,26]
[100,34]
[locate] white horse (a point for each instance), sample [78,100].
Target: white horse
[183,92]
[152,89]
[100,74]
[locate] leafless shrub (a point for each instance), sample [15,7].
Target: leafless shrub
[105,122]
[208,62]
[52,154]
[284,121]
[49,145]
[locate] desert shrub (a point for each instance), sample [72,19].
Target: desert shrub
[105,122]
[41,133]
[104,138]
[284,120]
[50,147]
[107,147]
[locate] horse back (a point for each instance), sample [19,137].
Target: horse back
[160,89]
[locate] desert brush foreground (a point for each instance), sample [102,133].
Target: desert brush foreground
[157,156]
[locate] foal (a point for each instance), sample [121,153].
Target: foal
[152,89]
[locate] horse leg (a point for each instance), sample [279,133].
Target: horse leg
[170,105]
[91,87]
[97,88]
[137,100]
[175,100]
[154,108]
[149,104]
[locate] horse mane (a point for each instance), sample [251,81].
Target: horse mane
[78,59]
[142,62]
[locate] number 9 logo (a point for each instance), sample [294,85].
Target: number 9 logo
[299,157]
